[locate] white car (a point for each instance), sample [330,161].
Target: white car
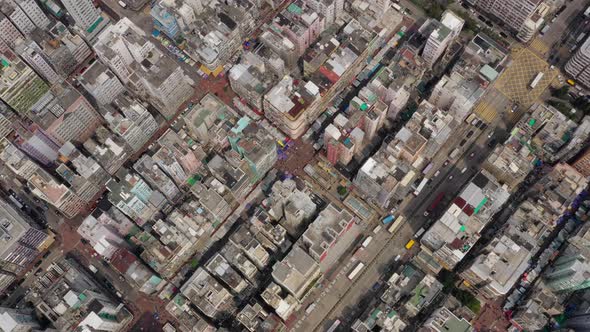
[122,4]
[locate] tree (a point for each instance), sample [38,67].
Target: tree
[561,93]
[342,191]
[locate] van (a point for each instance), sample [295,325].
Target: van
[464,170]
[377,229]
[122,4]
[367,241]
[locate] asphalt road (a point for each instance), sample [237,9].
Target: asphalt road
[346,300]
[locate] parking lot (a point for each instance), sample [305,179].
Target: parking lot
[515,82]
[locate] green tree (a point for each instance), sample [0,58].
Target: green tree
[342,191]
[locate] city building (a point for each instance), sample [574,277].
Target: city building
[252,78]
[70,299]
[255,318]
[297,272]
[524,17]
[331,10]
[210,122]
[41,183]
[36,143]
[136,271]
[149,170]
[255,146]
[133,196]
[292,105]
[20,87]
[177,158]
[582,164]
[187,319]
[101,83]
[131,120]
[443,320]
[290,204]
[479,65]
[534,312]
[89,19]
[21,243]
[32,54]
[388,176]
[498,268]
[422,295]
[283,304]
[571,270]
[18,320]
[351,131]
[219,267]
[104,238]
[326,237]
[128,52]
[380,317]
[207,294]
[67,116]
[300,23]
[445,31]
[450,239]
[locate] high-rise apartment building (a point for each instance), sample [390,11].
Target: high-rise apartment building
[522,16]
[83,12]
[19,242]
[582,165]
[9,34]
[578,65]
[448,29]
[18,320]
[20,87]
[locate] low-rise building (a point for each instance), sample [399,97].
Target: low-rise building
[187,319]
[326,238]
[443,320]
[207,294]
[455,233]
[69,298]
[422,295]
[498,268]
[297,272]
[219,267]
[255,318]
[283,304]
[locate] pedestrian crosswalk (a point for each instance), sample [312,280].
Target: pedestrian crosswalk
[538,46]
[486,111]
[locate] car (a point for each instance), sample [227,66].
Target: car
[446,163]
[503,34]
[462,142]
[464,170]
[481,18]
[471,154]
[47,254]
[436,174]
[492,142]
[491,134]
[450,177]
[122,4]
[479,123]
[38,263]
[470,133]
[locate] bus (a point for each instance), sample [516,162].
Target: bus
[397,7]
[410,244]
[536,80]
[358,268]
[398,222]
[421,186]
[367,241]
[427,168]
[434,204]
